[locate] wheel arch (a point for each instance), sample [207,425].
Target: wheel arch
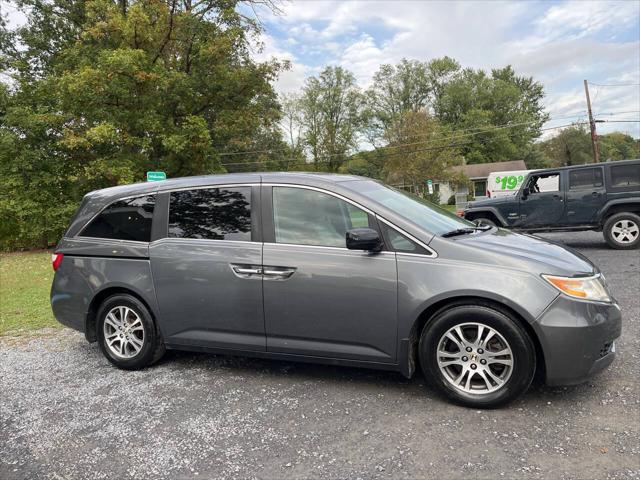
[618,206]
[409,356]
[100,297]
[488,213]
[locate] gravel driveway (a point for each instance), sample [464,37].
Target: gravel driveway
[66,413]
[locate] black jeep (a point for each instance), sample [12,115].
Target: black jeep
[603,197]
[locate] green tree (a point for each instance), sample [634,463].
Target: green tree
[497,115]
[331,113]
[395,90]
[409,162]
[618,146]
[102,91]
[571,146]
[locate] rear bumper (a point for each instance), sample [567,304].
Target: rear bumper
[577,339]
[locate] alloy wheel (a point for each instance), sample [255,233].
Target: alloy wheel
[123,332]
[475,358]
[625,231]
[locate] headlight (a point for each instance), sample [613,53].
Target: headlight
[585,288]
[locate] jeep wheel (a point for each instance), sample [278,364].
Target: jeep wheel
[622,231]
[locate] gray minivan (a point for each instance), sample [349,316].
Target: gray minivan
[334,269]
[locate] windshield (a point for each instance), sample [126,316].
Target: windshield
[416,210]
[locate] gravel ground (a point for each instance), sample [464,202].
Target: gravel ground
[66,413]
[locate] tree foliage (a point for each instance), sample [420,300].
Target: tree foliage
[105,90]
[330,110]
[411,162]
[572,146]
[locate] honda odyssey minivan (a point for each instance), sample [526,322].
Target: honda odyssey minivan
[334,269]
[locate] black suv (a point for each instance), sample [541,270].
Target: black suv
[603,197]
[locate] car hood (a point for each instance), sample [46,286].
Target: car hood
[491,201]
[526,252]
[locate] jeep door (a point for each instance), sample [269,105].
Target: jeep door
[321,299]
[586,194]
[207,268]
[542,201]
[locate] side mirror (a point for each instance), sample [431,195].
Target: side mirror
[363,239]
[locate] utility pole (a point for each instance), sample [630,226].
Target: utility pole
[592,125]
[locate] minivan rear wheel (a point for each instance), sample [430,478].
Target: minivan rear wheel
[126,333]
[477,356]
[622,231]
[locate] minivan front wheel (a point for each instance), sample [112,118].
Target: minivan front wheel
[477,356]
[127,334]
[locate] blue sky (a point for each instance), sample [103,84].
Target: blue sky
[558,43]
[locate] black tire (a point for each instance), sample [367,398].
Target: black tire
[616,240]
[153,346]
[485,221]
[522,348]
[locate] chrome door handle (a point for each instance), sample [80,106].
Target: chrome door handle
[246,270]
[279,273]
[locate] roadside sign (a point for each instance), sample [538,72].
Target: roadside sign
[430,186]
[156,176]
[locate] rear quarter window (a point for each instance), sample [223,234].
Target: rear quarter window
[625,176]
[128,219]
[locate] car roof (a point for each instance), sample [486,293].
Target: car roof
[588,165]
[304,178]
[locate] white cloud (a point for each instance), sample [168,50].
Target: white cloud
[559,44]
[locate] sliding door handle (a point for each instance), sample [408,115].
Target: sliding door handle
[278,273]
[246,270]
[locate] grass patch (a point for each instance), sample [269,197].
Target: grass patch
[25,282]
[451,208]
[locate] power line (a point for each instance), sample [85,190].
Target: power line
[440,147]
[615,84]
[616,113]
[455,136]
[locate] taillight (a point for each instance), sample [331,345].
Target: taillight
[56,260]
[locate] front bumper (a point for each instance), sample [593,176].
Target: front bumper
[577,339]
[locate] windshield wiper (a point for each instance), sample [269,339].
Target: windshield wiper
[466,230]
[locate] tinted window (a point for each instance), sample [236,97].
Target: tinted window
[128,219]
[400,242]
[585,178]
[307,217]
[211,213]
[625,175]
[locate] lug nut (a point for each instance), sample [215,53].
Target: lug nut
[465,358]
[469,349]
[483,361]
[473,366]
[480,351]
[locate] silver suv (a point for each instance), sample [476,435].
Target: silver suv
[332,269]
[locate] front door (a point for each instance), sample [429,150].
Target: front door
[543,203]
[585,196]
[207,271]
[321,299]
